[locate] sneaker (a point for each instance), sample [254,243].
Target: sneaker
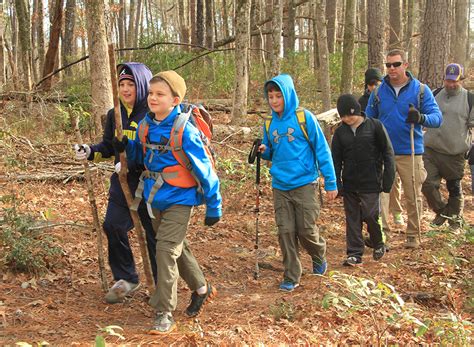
[163,324]
[352,261]
[398,219]
[198,301]
[120,290]
[288,286]
[379,252]
[412,242]
[438,220]
[368,243]
[320,268]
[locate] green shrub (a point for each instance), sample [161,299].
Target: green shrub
[25,248]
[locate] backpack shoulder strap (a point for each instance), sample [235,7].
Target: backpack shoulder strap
[470,100]
[267,121]
[300,115]
[176,138]
[142,132]
[437,90]
[421,96]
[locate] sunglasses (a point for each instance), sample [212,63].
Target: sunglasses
[396,64]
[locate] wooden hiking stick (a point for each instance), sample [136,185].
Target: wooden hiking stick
[95,213]
[123,174]
[415,195]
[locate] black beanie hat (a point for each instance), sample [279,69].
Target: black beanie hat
[126,74]
[347,105]
[372,74]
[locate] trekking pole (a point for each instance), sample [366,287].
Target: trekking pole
[415,195]
[123,174]
[95,214]
[255,153]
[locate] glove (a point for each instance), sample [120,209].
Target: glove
[82,151]
[118,145]
[414,116]
[209,221]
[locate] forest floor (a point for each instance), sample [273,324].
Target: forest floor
[65,305]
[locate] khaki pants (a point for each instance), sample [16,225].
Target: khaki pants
[403,164]
[391,202]
[296,212]
[451,168]
[173,257]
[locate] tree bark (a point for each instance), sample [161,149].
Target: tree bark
[2,49]
[192,14]
[395,10]
[99,63]
[409,30]
[209,24]
[375,33]
[138,22]
[323,74]
[290,38]
[242,42]
[434,42]
[277,22]
[200,22]
[24,40]
[362,14]
[459,42]
[53,48]
[347,71]
[183,25]
[67,46]
[40,36]
[331,17]
[121,26]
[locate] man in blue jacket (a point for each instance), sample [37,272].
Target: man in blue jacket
[400,101]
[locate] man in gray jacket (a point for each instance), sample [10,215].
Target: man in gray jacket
[445,147]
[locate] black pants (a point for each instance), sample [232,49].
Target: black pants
[359,208]
[117,224]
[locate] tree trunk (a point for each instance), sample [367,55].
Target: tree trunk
[362,14]
[323,73]
[459,42]
[290,38]
[331,17]
[200,22]
[409,30]
[2,49]
[121,26]
[242,42]
[101,85]
[347,71]
[209,24]
[24,40]
[138,21]
[131,29]
[183,24]
[53,47]
[68,42]
[395,10]
[434,42]
[40,36]
[34,50]
[277,22]
[375,33]
[192,14]
[225,18]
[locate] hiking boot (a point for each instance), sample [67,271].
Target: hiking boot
[352,261]
[319,268]
[412,242]
[288,286]
[368,243]
[198,301]
[438,220]
[163,324]
[398,219]
[379,252]
[119,291]
[455,222]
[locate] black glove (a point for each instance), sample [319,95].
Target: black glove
[211,220]
[118,145]
[414,116]
[385,190]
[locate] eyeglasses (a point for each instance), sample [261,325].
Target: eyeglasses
[396,64]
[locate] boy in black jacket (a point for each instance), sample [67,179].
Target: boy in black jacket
[362,150]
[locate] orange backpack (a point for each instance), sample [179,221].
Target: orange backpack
[182,175]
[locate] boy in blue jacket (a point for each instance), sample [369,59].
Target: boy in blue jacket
[298,153]
[171,193]
[133,89]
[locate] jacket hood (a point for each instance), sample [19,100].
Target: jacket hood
[142,75]
[285,83]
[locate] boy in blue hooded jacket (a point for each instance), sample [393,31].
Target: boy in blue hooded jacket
[133,90]
[171,199]
[297,161]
